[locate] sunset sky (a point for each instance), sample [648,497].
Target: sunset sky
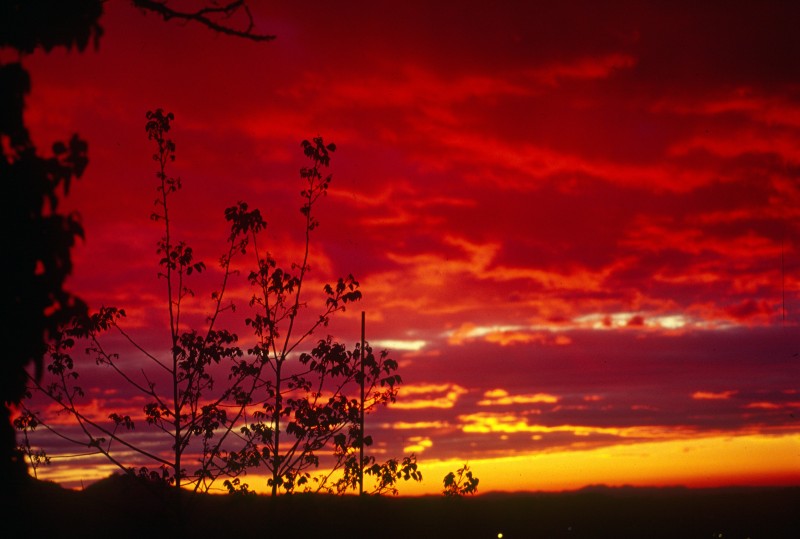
[575,225]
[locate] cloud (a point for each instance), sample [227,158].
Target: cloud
[710,395]
[417,444]
[486,423]
[505,335]
[583,68]
[501,397]
[411,397]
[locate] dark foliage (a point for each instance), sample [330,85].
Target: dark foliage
[460,483]
[763,513]
[38,239]
[28,24]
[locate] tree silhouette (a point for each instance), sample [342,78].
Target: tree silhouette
[177,388]
[38,239]
[284,404]
[308,404]
[460,483]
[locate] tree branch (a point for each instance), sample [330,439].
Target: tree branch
[202,16]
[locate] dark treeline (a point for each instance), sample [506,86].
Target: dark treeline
[123,507]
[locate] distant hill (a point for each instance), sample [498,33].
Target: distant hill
[119,507]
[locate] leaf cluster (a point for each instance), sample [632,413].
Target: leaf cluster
[460,483]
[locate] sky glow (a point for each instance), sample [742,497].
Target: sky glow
[575,225]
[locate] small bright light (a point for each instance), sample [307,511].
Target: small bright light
[499,536]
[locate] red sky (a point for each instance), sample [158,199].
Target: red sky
[575,225]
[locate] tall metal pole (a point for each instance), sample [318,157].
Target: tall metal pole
[361,401]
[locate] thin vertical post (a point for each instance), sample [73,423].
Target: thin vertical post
[361,401]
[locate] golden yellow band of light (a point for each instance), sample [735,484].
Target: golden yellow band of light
[700,462]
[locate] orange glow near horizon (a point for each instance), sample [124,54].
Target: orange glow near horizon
[716,461]
[695,463]
[705,462]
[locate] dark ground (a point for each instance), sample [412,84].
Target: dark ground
[117,508]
